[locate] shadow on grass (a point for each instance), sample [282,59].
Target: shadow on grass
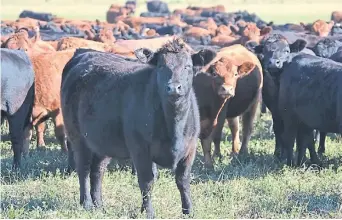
[47,161]
[250,166]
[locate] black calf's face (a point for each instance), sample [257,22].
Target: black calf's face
[175,67]
[327,47]
[276,51]
[275,55]
[174,74]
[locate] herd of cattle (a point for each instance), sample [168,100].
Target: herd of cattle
[148,87]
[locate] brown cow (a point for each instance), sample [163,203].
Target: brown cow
[20,40]
[48,68]
[152,44]
[197,32]
[245,92]
[250,32]
[222,40]
[319,27]
[210,25]
[73,42]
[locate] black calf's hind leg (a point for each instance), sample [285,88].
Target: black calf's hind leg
[305,139]
[98,166]
[71,159]
[83,159]
[183,178]
[16,130]
[288,138]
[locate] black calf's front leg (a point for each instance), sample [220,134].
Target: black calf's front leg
[183,178]
[144,167]
[97,169]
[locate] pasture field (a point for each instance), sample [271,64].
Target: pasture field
[257,186]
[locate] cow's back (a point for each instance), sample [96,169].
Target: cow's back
[17,77]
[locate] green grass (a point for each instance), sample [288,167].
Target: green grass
[279,11]
[254,187]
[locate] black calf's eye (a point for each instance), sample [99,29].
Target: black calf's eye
[188,67]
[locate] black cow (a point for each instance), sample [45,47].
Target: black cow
[309,94]
[17,96]
[327,47]
[158,6]
[144,110]
[302,104]
[276,46]
[37,15]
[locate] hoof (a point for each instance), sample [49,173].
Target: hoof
[218,155]
[88,205]
[209,166]
[41,148]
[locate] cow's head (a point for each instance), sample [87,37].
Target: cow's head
[327,47]
[250,32]
[19,40]
[225,73]
[175,66]
[275,51]
[322,28]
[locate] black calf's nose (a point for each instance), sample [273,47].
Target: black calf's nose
[174,89]
[275,63]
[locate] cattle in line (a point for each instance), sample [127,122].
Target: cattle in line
[145,110]
[229,86]
[17,96]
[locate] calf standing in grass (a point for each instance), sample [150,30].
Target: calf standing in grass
[17,95]
[145,110]
[308,94]
[310,97]
[215,85]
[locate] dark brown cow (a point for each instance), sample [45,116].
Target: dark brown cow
[244,101]
[214,86]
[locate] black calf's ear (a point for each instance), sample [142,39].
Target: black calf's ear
[297,46]
[144,55]
[254,47]
[203,57]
